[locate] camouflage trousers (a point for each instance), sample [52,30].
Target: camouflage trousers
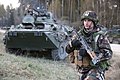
[93,74]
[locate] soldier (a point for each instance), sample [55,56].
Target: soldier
[95,36]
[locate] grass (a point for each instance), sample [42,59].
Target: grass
[27,68]
[22,68]
[14,67]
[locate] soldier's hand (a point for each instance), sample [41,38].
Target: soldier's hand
[69,49]
[98,59]
[95,60]
[76,43]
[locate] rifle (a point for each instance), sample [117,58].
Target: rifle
[89,50]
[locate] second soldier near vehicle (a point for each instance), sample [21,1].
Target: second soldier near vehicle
[96,38]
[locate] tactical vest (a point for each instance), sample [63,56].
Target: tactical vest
[86,60]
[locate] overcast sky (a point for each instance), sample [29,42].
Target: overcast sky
[8,2]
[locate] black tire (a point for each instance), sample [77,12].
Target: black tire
[14,51]
[60,53]
[9,50]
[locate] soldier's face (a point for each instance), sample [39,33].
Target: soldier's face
[88,24]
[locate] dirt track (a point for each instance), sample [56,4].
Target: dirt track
[116,48]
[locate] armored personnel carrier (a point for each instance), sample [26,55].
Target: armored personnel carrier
[38,32]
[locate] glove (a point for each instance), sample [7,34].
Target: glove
[83,52]
[97,59]
[69,49]
[76,43]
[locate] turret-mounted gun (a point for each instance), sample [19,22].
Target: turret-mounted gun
[41,7]
[36,14]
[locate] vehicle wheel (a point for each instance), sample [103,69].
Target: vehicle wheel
[54,54]
[9,50]
[14,51]
[60,53]
[18,52]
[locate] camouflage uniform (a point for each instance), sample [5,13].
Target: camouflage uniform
[98,41]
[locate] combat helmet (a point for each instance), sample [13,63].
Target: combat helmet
[90,15]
